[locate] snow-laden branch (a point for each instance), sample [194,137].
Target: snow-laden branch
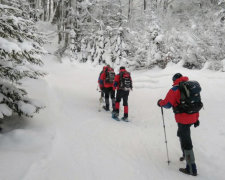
[98,21]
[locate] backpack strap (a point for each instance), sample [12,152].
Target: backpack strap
[178,109]
[121,75]
[106,70]
[182,91]
[120,81]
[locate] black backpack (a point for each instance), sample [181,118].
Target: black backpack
[109,75]
[190,99]
[125,81]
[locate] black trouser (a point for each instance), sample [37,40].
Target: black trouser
[180,141]
[184,133]
[121,94]
[111,92]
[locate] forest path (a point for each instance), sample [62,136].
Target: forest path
[88,144]
[70,139]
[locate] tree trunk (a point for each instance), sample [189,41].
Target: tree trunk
[129,10]
[45,4]
[145,4]
[55,12]
[121,13]
[50,10]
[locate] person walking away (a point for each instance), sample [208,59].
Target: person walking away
[185,119]
[123,85]
[106,83]
[101,85]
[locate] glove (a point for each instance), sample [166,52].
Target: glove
[197,123]
[159,102]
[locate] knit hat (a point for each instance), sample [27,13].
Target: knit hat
[176,76]
[122,67]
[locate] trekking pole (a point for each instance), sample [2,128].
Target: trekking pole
[168,160]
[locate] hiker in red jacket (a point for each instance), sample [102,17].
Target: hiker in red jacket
[184,122]
[123,84]
[101,85]
[106,85]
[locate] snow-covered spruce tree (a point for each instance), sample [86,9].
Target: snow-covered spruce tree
[96,31]
[108,41]
[19,58]
[67,19]
[146,46]
[173,31]
[42,9]
[190,35]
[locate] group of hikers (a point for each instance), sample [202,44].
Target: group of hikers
[109,82]
[183,97]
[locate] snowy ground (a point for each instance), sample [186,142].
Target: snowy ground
[71,140]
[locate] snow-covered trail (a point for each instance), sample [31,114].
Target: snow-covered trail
[70,139]
[88,144]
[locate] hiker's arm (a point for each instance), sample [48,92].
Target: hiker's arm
[101,80]
[116,82]
[169,100]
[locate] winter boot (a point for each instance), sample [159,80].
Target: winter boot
[106,107]
[115,114]
[182,157]
[191,168]
[125,117]
[187,170]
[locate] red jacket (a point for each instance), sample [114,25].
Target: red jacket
[173,99]
[116,83]
[102,77]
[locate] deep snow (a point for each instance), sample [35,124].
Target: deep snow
[71,140]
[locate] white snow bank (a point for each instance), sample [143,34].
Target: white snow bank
[88,144]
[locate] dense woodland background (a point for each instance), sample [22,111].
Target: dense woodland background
[140,34]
